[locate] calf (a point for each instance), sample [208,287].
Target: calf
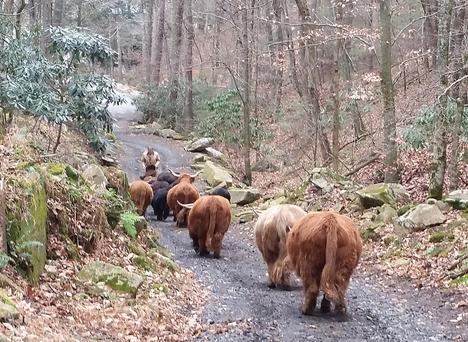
[271,231]
[159,204]
[183,191]
[324,249]
[221,192]
[208,220]
[141,194]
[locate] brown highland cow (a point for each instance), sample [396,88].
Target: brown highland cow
[324,249]
[271,230]
[141,194]
[208,220]
[183,191]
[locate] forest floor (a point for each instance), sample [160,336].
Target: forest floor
[242,308]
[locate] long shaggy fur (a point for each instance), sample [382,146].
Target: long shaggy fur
[141,194]
[208,221]
[184,192]
[271,231]
[324,249]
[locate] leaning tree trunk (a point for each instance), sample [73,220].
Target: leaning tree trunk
[439,150]
[246,92]
[157,41]
[188,108]
[458,91]
[391,153]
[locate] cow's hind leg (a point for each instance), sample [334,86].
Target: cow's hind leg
[201,243]
[271,283]
[217,253]
[195,244]
[311,290]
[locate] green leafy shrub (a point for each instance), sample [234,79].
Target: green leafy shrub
[129,221]
[419,133]
[224,121]
[53,87]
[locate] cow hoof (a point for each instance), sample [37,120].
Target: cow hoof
[306,310]
[341,317]
[216,255]
[271,285]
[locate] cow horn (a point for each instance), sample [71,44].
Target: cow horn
[175,174]
[196,174]
[188,205]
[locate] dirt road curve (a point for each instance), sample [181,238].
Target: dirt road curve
[237,280]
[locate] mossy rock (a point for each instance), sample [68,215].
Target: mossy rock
[144,263]
[27,225]
[371,231]
[376,195]
[163,260]
[118,180]
[73,173]
[115,277]
[463,280]
[56,169]
[8,312]
[458,199]
[438,237]
[216,174]
[386,214]
[136,248]
[404,209]
[5,299]
[439,250]
[72,249]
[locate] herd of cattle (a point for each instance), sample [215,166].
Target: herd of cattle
[322,248]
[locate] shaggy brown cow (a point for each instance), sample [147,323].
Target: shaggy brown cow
[150,157]
[208,220]
[271,231]
[141,194]
[183,191]
[324,249]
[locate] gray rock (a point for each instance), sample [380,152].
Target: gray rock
[200,145]
[244,196]
[96,177]
[214,153]
[170,134]
[386,214]
[215,174]
[444,207]
[265,165]
[8,312]
[458,199]
[115,277]
[420,217]
[376,195]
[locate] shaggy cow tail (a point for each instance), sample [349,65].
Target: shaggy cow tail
[211,227]
[327,281]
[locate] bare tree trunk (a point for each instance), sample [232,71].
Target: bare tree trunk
[430,25]
[46,21]
[157,42]
[119,52]
[79,13]
[216,34]
[278,80]
[307,54]
[246,93]
[458,92]
[3,233]
[177,18]
[391,153]
[147,37]
[439,151]
[291,50]
[58,12]
[336,114]
[19,13]
[188,108]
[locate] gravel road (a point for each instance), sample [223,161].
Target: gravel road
[377,312]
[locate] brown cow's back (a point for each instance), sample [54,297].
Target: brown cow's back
[324,249]
[208,221]
[141,194]
[185,193]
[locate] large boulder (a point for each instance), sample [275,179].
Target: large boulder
[386,214]
[27,224]
[458,199]
[114,277]
[420,217]
[96,177]
[215,174]
[118,180]
[214,153]
[170,134]
[200,145]
[152,128]
[244,196]
[376,195]
[265,165]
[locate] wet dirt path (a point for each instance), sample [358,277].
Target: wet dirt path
[238,283]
